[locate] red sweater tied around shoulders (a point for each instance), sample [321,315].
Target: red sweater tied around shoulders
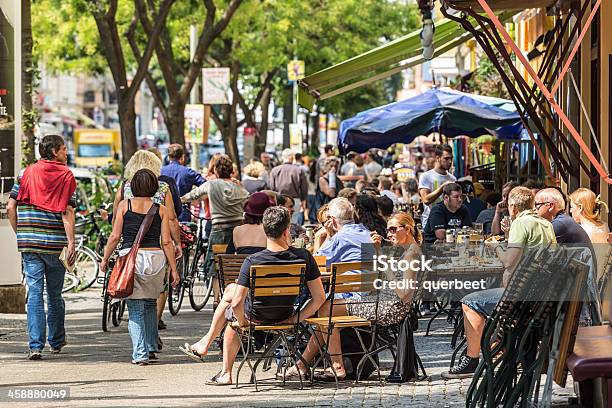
[48,185]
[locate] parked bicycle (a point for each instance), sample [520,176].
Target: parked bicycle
[194,278]
[112,309]
[87,261]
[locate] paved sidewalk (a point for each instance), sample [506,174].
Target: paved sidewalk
[95,365]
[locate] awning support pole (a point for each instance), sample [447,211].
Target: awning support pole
[568,124]
[576,46]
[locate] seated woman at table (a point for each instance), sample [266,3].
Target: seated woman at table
[393,305]
[250,238]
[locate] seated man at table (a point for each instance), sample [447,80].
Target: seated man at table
[236,305]
[450,213]
[345,243]
[528,230]
[343,238]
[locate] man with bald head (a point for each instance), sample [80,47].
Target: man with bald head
[550,204]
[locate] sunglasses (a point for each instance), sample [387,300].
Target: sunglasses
[538,205]
[393,230]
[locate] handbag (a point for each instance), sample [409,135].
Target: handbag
[121,281]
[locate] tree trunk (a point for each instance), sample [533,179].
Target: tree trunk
[175,122]
[127,122]
[261,137]
[231,146]
[29,114]
[287,118]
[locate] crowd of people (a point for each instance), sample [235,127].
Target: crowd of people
[267,213]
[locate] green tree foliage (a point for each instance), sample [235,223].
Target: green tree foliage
[264,36]
[261,38]
[77,46]
[487,81]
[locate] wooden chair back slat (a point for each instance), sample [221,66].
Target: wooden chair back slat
[321,260]
[286,269]
[273,282]
[229,266]
[278,291]
[356,278]
[342,267]
[354,287]
[277,280]
[219,248]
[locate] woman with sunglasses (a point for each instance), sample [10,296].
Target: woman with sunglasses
[394,304]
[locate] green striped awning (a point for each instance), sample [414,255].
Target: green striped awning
[380,62]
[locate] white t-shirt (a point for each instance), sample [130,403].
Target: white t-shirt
[431,180]
[372,169]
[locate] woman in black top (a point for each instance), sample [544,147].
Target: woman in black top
[150,261]
[250,238]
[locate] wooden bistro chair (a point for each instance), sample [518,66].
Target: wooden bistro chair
[343,282]
[229,266]
[217,249]
[271,281]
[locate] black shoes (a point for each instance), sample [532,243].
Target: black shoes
[58,349]
[161,325]
[465,368]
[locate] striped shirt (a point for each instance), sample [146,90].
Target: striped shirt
[39,230]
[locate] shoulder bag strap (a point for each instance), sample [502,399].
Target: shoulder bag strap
[144,226]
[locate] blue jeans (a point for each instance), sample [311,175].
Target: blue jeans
[142,326]
[484,301]
[39,268]
[312,208]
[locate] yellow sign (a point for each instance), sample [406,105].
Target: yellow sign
[296,70]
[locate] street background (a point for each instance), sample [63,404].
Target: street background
[95,365]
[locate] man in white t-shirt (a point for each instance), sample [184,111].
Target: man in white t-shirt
[432,181]
[372,168]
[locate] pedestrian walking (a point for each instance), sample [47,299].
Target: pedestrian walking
[185,177]
[289,180]
[150,264]
[42,215]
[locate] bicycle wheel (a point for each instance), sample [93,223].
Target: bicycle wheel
[176,295]
[106,313]
[200,285]
[118,311]
[86,267]
[70,282]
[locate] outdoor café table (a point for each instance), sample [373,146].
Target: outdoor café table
[471,270]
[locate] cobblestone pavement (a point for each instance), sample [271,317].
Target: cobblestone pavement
[95,366]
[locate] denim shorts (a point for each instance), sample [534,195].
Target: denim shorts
[484,301]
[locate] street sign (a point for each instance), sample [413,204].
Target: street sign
[296,70]
[215,86]
[194,124]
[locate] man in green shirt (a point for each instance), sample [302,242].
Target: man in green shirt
[528,230]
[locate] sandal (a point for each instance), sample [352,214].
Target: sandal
[328,375]
[186,349]
[292,374]
[215,380]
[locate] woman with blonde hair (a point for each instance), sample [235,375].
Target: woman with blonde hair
[144,159]
[252,180]
[587,209]
[393,304]
[148,160]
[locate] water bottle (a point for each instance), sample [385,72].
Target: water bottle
[332,178]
